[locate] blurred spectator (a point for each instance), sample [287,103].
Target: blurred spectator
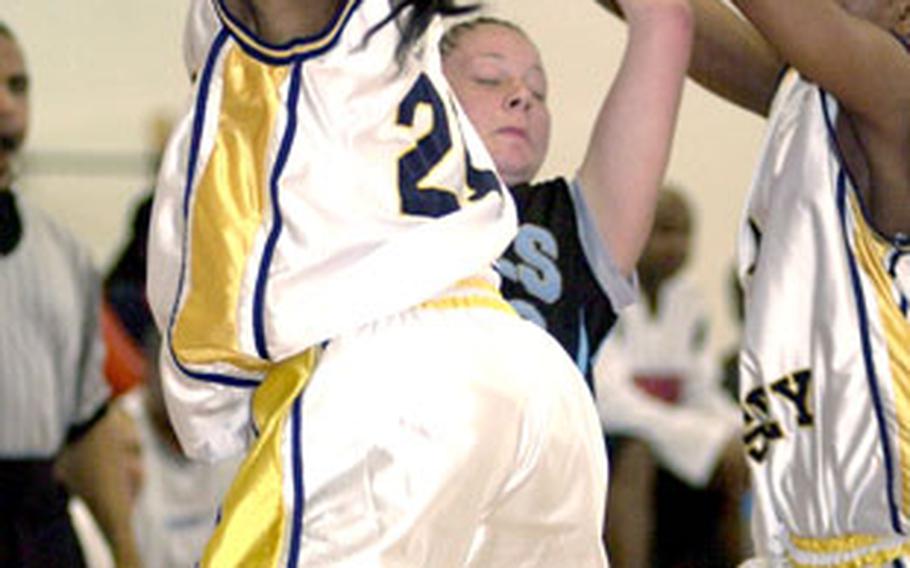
[53,397]
[677,469]
[177,507]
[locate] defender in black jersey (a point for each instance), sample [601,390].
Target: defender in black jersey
[549,277]
[571,267]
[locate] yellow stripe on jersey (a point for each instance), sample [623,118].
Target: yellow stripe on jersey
[253,528]
[227,212]
[871,252]
[465,295]
[846,545]
[302,47]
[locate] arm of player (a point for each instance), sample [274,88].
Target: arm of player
[94,468]
[729,57]
[849,49]
[846,53]
[625,162]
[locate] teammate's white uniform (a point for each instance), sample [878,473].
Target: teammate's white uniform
[825,366]
[658,381]
[325,215]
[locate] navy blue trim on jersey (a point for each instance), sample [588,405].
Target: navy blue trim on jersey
[281,160]
[756,236]
[865,340]
[826,99]
[297,49]
[299,499]
[202,97]
[892,271]
[842,181]
[205,80]
[781,73]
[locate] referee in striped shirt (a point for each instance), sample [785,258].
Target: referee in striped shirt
[53,397]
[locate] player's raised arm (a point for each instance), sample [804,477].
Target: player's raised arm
[850,49]
[630,144]
[846,48]
[729,56]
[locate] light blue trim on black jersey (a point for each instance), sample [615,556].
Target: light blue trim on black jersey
[620,290]
[583,350]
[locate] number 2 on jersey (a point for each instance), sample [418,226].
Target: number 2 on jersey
[418,197]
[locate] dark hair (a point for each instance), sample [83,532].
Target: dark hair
[453,35]
[419,17]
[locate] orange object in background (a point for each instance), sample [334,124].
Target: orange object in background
[124,363]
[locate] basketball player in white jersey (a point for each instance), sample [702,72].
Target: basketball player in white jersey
[320,256]
[825,262]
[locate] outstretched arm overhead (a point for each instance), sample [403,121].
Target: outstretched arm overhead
[627,156]
[729,57]
[848,48]
[848,51]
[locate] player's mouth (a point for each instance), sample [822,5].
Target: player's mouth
[513,131]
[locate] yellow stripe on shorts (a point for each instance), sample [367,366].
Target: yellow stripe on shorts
[473,292]
[254,526]
[852,545]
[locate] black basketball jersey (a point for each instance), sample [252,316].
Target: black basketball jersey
[547,276]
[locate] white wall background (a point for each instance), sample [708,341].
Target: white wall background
[103,69]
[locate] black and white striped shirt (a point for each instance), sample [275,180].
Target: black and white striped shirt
[51,351]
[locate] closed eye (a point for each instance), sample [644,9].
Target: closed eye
[487,82]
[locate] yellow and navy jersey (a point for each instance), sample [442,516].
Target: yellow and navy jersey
[825,365]
[312,187]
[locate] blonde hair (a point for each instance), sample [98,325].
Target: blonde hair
[453,35]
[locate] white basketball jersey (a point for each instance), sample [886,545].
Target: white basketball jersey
[825,363]
[311,188]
